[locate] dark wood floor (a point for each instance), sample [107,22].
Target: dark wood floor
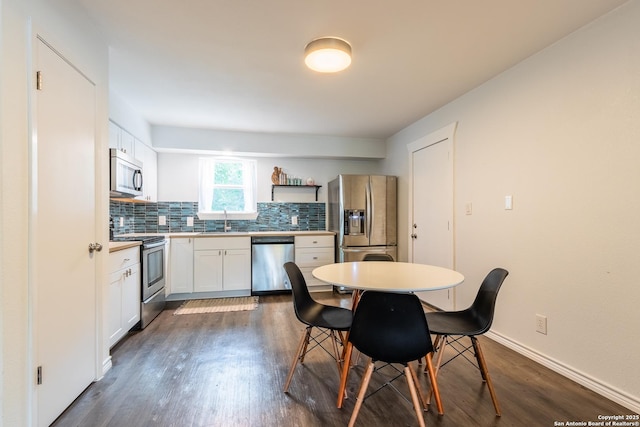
[227,369]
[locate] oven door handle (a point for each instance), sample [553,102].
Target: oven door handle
[146,246]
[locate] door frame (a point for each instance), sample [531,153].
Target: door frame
[442,134]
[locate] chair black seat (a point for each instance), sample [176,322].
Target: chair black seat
[475,320]
[325,316]
[390,327]
[460,322]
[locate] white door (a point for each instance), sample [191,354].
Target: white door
[432,209]
[63,225]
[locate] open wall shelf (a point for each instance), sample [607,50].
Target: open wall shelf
[316,187]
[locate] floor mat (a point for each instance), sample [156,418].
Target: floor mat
[218,305]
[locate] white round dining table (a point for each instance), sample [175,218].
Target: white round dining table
[388,276]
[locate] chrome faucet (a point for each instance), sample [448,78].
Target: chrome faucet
[226,228]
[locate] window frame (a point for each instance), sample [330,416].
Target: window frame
[206,171]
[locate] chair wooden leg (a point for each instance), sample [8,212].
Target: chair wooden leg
[346,365]
[423,400]
[361,393]
[414,395]
[485,374]
[442,340]
[304,341]
[306,344]
[336,353]
[434,383]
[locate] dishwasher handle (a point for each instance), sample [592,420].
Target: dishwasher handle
[272,240]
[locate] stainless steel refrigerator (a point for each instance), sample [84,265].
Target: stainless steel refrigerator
[363,213]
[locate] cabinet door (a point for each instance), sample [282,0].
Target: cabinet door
[151,175]
[127,142]
[237,269]
[131,290]
[207,270]
[114,136]
[181,265]
[149,159]
[114,316]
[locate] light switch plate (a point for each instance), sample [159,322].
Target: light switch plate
[468,208]
[162,220]
[189,221]
[508,202]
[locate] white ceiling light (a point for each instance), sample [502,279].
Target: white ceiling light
[328,54]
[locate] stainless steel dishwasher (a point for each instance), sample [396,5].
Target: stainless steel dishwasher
[268,255]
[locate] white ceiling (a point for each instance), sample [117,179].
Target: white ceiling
[238,64]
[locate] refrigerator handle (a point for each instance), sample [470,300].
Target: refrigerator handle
[369,213]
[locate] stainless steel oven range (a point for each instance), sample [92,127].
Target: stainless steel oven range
[152,264]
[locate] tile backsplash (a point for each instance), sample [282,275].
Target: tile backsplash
[272,216]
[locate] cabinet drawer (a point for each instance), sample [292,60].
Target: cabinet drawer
[314,257]
[314,241]
[123,259]
[204,243]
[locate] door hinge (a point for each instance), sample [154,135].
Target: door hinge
[39,375]
[39,80]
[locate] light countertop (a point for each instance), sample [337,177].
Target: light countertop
[118,246]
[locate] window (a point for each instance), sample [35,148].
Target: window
[227,184]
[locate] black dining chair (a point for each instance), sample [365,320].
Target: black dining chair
[377,257]
[324,322]
[392,328]
[450,327]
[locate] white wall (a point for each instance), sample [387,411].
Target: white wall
[73,35]
[178,176]
[122,114]
[561,133]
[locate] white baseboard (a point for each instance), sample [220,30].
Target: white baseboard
[605,390]
[106,365]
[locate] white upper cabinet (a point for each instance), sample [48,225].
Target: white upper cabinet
[122,140]
[149,159]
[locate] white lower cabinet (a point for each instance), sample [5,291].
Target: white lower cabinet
[312,252]
[124,293]
[222,264]
[181,265]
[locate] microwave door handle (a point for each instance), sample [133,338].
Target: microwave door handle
[137,178]
[368,211]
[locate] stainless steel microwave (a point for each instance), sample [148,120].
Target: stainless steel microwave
[126,175]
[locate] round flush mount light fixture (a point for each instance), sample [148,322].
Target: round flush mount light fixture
[327,54]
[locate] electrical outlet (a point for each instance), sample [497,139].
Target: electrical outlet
[541,324]
[294,220]
[121,221]
[189,221]
[162,220]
